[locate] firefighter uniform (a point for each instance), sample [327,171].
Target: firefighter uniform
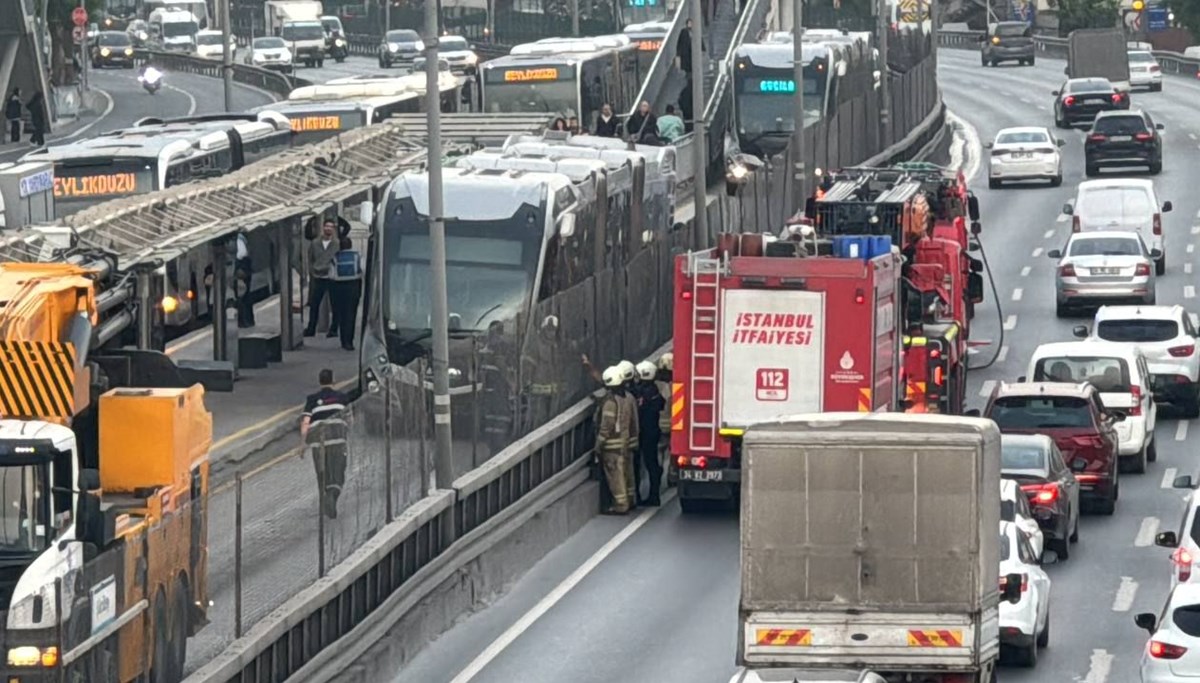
[628,376]
[650,407]
[616,423]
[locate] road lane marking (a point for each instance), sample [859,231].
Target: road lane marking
[1196,229]
[972,149]
[1010,323]
[1049,234]
[1168,481]
[1025,271]
[1181,430]
[1192,136]
[1187,268]
[1037,252]
[1124,598]
[1063,218]
[1145,537]
[191,99]
[986,389]
[1042,107]
[1099,667]
[1017,294]
[1191,248]
[1189,292]
[1000,357]
[560,591]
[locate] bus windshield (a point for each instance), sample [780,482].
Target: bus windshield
[554,97]
[766,103]
[83,183]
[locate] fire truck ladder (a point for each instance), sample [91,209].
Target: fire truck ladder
[706,326]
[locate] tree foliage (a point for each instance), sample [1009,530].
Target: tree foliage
[58,21]
[1073,14]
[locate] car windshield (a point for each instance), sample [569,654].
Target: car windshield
[1090,85]
[176,29]
[404,36]
[1022,137]
[1105,246]
[331,25]
[1142,58]
[1119,125]
[24,519]
[302,32]
[1107,374]
[1137,330]
[1012,30]
[268,43]
[1114,203]
[1021,457]
[208,39]
[114,39]
[1041,412]
[453,44]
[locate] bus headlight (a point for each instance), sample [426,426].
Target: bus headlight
[30,655]
[740,166]
[170,304]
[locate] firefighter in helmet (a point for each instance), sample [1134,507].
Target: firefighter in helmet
[650,405]
[628,378]
[616,423]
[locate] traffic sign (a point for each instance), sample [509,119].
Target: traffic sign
[1157,19]
[79,16]
[79,33]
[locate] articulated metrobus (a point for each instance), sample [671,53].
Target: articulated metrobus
[648,37]
[156,154]
[573,78]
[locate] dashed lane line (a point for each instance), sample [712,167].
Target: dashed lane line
[1168,480]
[1181,430]
[1196,229]
[1189,292]
[986,389]
[1191,248]
[1010,323]
[1187,268]
[1125,594]
[1049,234]
[1145,534]
[1025,271]
[1003,355]
[1063,218]
[1037,252]
[1099,667]
[1017,294]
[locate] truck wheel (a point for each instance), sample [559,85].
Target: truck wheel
[320,63]
[1091,170]
[160,668]
[1156,167]
[1063,548]
[179,629]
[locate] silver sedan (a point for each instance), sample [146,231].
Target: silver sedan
[1103,267]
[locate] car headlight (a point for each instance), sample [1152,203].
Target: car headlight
[142,35]
[472,58]
[104,52]
[128,52]
[392,47]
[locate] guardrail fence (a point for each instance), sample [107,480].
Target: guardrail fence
[1056,48]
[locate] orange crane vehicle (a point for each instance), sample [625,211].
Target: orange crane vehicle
[925,210]
[103,491]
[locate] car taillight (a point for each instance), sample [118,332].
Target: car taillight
[1041,494]
[1155,67]
[1182,351]
[1097,137]
[1067,271]
[1161,650]
[1183,563]
[1024,583]
[1136,392]
[1157,224]
[1076,224]
[1116,98]
[1069,100]
[1143,137]
[699,461]
[1142,269]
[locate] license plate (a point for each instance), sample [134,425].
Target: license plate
[1121,138]
[1106,271]
[700,475]
[1022,155]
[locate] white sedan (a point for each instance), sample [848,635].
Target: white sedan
[1026,153]
[1173,652]
[1025,624]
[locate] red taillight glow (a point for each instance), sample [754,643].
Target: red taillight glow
[1075,224]
[1097,137]
[698,461]
[1143,269]
[1067,271]
[1158,224]
[1161,650]
[1042,494]
[1116,98]
[1155,67]
[1069,100]
[1143,137]
[1024,583]
[1183,563]
[1136,392]
[1182,351]
[681,461]
[859,296]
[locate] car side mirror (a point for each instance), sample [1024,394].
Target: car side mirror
[972,207]
[1159,126]
[973,412]
[1054,92]
[1155,254]
[1022,378]
[1054,253]
[1012,588]
[988,145]
[1068,209]
[1146,621]
[1183,481]
[1166,539]
[1080,331]
[566,226]
[1060,142]
[1049,557]
[1117,416]
[1167,206]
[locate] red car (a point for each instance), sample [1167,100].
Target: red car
[1074,416]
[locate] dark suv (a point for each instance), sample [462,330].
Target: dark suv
[401,46]
[1074,416]
[1082,99]
[1123,138]
[1007,41]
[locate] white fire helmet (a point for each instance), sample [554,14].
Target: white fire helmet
[647,370]
[667,362]
[612,376]
[627,370]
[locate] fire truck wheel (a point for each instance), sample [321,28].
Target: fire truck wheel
[179,631]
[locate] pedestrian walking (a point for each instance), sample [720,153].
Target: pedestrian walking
[345,291]
[321,254]
[12,114]
[683,49]
[670,126]
[243,270]
[37,119]
[324,432]
[642,124]
[616,422]
[650,405]
[607,124]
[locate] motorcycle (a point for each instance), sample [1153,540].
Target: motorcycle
[337,47]
[151,80]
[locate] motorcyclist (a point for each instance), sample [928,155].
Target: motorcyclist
[150,77]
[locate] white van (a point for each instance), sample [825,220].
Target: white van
[1122,204]
[173,30]
[1120,373]
[210,44]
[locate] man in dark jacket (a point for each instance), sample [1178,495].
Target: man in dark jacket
[643,123]
[650,403]
[12,114]
[37,117]
[607,124]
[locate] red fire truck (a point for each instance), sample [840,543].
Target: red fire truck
[771,328]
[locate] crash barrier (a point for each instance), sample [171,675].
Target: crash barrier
[1056,48]
[272,81]
[521,381]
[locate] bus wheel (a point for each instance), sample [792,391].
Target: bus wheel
[179,630]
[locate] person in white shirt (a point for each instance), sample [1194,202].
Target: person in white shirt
[321,253]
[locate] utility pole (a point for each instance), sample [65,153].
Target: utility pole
[82,49]
[443,456]
[387,16]
[227,66]
[885,88]
[798,130]
[575,18]
[700,148]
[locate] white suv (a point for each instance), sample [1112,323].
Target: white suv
[1121,374]
[1025,624]
[1122,204]
[1185,561]
[1166,336]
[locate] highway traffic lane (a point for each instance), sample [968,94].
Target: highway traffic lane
[353,66]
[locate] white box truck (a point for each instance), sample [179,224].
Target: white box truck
[1099,53]
[872,540]
[298,22]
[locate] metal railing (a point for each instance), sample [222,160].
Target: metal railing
[273,82]
[664,61]
[1056,48]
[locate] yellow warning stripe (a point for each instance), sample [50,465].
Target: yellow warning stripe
[677,403]
[926,638]
[37,379]
[864,400]
[781,636]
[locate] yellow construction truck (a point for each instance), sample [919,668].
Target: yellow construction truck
[103,493]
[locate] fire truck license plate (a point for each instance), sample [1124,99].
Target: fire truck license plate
[700,475]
